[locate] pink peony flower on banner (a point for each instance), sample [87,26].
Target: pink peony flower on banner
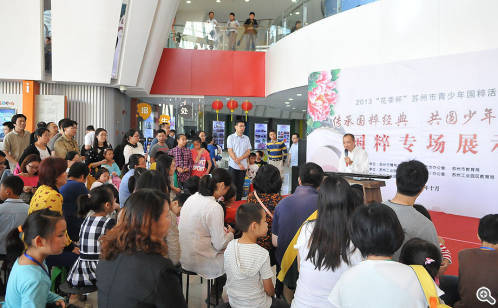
[322,97]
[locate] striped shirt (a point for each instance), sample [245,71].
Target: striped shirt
[276,150]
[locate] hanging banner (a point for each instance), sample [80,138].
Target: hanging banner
[283,134]
[219,133]
[144,110]
[164,118]
[260,136]
[441,111]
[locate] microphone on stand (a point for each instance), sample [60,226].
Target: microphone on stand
[346,155]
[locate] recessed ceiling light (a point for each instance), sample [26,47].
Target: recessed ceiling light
[287,103]
[188,1]
[297,13]
[299,94]
[304,110]
[246,0]
[290,14]
[293,108]
[291,99]
[287,106]
[218,1]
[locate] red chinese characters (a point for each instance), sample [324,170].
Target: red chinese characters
[381,142]
[467,143]
[436,143]
[408,142]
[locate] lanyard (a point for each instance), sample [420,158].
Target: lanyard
[36,261]
[487,248]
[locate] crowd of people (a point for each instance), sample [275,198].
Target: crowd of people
[130,220]
[232,28]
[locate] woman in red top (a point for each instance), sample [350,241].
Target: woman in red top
[201,159]
[29,174]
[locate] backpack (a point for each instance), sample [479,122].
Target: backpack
[428,286]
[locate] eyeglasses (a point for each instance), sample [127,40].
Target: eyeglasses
[32,167]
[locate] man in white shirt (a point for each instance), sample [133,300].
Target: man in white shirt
[354,159]
[89,137]
[239,148]
[211,30]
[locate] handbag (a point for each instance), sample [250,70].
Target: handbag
[262,205]
[428,286]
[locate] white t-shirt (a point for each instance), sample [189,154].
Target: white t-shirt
[252,170]
[89,138]
[379,284]
[313,285]
[246,266]
[43,153]
[360,161]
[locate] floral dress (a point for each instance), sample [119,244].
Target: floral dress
[270,201]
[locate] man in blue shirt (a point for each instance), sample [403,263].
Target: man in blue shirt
[74,187]
[239,148]
[290,214]
[276,151]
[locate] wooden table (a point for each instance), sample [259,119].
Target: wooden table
[371,189]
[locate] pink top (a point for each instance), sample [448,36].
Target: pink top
[29,180]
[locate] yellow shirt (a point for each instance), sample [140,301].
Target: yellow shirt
[153,166]
[47,197]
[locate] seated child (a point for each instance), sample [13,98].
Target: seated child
[95,207]
[43,234]
[13,211]
[177,203]
[421,252]
[378,281]
[444,251]
[247,265]
[101,176]
[110,164]
[259,158]
[478,270]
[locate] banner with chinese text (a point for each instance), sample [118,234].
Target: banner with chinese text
[441,111]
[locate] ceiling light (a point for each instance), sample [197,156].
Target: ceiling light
[293,108]
[287,103]
[291,99]
[290,14]
[294,1]
[297,13]
[246,0]
[304,110]
[188,1]
[218,1]
[299,94]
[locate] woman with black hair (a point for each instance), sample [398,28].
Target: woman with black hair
[38,146]
[203,237]
[267,186]
[131,144]
[95,156]
[378,281]
[324,248]
[166,166]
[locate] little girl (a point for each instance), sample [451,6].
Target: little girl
[43,234]
[110,164]
[95,207]
[420,252]
[101,176]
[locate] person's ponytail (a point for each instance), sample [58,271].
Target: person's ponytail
[39,223]
[207,184]
[94,201]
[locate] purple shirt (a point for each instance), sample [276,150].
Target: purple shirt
[183,159]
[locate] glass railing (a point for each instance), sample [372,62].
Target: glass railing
[206,36]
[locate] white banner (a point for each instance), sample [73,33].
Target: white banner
[441,111]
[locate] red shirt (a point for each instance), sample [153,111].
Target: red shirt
[200,168]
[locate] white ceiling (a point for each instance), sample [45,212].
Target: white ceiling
[273,106]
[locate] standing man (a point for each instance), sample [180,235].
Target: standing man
[251,31]
[293,160]
[66,143]
[276,151]
[239,148]
[170,141]
[16,141]
[52,141]
[89,136]
[354,159]
[211,30]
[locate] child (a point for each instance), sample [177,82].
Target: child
[378,281]
[159,146]
[110,164]
[13,211]
[247,265]
[420,252]
[477,272]
[201,158]
[41,235]
[444,251]
[183,159]
[72,157]
[177,203]
[259,158]
[101,176]
[95,207]
[253,167]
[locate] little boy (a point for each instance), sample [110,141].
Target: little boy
[183,159]
[253,167]
[259,158]
[159,146]
[13,211]
[478,270]
[247,265]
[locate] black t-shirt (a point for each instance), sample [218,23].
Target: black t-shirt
[139,280]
